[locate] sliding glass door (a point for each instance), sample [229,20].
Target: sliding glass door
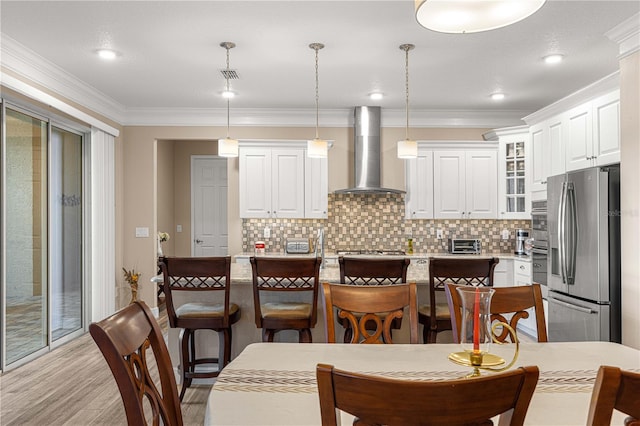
[26,286]
[65,207]
[42,234]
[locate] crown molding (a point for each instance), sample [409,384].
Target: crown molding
[29,66]
[601,87]
[266,117]
[627,35]
[496,134]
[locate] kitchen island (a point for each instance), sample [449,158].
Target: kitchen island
[244,332]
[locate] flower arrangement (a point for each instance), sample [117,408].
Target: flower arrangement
[163,236]
[132,278]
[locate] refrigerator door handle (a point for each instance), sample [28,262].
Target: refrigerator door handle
[571,234]
[574,307]
[561,233]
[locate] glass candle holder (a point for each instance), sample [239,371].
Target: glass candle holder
[475,330]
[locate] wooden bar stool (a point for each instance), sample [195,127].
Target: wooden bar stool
[370,271]
[199,274]
[435,316]
[294,275]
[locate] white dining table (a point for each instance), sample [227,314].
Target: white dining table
[275,383]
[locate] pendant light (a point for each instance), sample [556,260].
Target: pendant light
[472,16]
[407,148]
[317,148]
[227,147]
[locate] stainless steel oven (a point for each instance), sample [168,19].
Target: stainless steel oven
[540,234]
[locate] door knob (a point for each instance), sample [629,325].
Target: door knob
[198,241]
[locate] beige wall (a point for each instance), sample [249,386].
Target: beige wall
[166,194]
[142,145]
[630,197]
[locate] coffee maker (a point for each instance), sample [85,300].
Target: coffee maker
[521,237]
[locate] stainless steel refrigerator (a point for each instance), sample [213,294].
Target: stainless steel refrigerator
[583,266]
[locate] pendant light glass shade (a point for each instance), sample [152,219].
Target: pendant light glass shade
[472,16]
[227,147]
[407,148]
[317,148]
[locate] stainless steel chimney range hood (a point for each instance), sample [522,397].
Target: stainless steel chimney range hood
[366,154]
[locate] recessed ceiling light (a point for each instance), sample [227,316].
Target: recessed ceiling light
[107,54]
[375,96]
[228,94]
[553,59]
[497,96]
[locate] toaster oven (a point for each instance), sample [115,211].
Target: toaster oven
[464,245]
[298,246]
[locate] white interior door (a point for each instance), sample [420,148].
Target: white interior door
[209,206]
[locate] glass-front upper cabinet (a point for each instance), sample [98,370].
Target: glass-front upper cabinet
[513,172]
[515,178]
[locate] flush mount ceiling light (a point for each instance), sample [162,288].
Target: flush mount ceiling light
[376,96]
[107,54]
[497,96]
[407,148]
[553,59]
[472,16]
[317,148]
[227,147]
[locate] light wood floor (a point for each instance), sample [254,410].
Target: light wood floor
[72,385]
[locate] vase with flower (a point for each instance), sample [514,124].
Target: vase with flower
[162,237]
[132,278]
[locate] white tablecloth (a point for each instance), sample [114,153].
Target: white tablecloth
[274,383]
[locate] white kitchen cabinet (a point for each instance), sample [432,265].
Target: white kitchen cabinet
[556,146]
[503,273]
[465,184]
[523,276]
[593,132]
[522,272]
[513,171]
[579,137]
[540,156]
[606,129]
[316,187]
[272,182]
[419,183]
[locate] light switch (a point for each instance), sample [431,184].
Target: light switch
[505,234]
[142,232]
[178,228]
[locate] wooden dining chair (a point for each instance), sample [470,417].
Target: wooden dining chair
[291,275]
[513,301]
[435,316]
[124,339]
[199,275]
[370,310]
[388,401]
[615,389]
[370,271]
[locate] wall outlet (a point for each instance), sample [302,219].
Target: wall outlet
[267,232]
[439,234]
[505,234]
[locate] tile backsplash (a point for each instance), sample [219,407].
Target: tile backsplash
[376,222]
